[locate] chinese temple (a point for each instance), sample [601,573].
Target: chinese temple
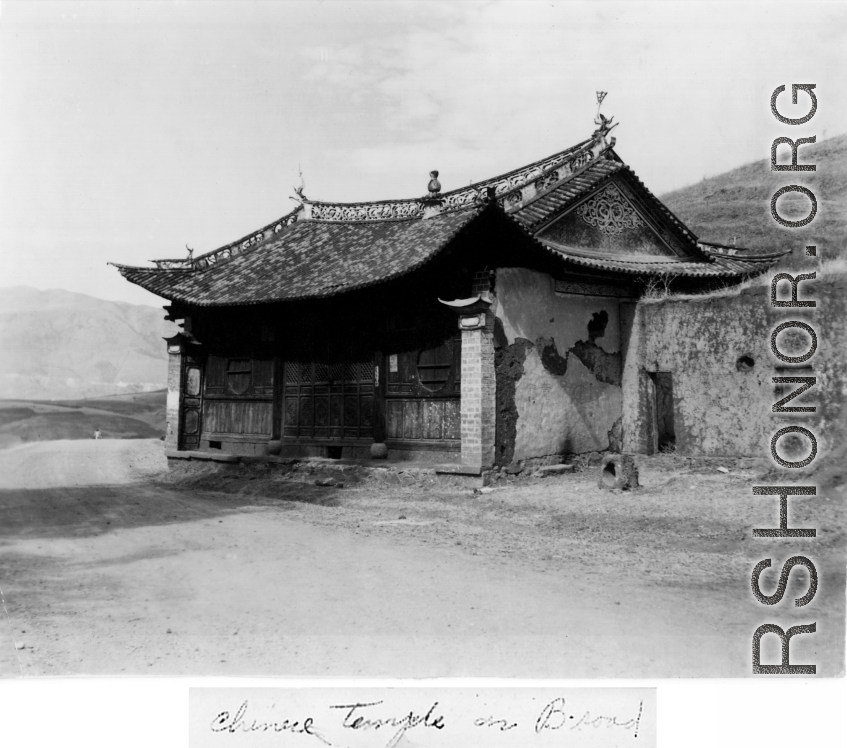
[479,327]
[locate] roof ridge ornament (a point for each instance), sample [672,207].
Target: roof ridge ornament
[433,202]
[301,198]
[601,141]
[552,169]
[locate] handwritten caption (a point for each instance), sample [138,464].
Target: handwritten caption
[374,717]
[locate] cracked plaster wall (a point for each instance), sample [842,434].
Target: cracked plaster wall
[719,410]
[558,385]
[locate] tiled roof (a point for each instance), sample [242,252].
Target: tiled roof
[569,160]
[539,211]
[323,249]
[551,202]
[309,259]
[706,260]
[721,266]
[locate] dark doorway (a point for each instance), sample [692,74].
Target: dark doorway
[665,432]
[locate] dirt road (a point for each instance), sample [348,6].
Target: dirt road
[106,572]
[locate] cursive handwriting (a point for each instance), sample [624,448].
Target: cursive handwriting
[354,721]
[554,716]
[225,723]
[558,715]
[502,724]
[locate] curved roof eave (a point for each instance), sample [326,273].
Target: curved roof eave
[153,279]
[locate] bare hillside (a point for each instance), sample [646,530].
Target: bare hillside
[58,344]
[736,204]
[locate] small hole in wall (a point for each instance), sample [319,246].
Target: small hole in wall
[745,363]
[609,474]
[214,445]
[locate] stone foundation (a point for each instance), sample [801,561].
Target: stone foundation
[328,472]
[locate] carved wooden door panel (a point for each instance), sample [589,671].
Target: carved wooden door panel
[328,399]
[191,404]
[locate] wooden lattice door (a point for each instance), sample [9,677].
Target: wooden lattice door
[328,399]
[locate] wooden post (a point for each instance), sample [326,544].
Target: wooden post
[379,397]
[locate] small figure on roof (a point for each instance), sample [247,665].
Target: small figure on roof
[299,190]
[604,127]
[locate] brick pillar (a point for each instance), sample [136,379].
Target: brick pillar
[478,390]
[174,395]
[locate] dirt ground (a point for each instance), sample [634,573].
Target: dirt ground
[111,565]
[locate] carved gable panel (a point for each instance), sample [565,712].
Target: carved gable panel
[608,223]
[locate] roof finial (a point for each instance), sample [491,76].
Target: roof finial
[299,190]
[190,252]
[604,127]
[432,202]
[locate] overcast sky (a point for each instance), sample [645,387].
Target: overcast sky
[130,129]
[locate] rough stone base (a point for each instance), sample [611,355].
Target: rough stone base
[239,447]
[618,471]
[328,472]
[703,464]
[305,451]
[530,464]
[548,470]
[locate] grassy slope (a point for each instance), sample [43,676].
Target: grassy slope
[737,203]
[138,416]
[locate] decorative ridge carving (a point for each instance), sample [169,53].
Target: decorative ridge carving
[610,212]
[559,166]
[508,189]
[232,249]
[385,210]
[518,199]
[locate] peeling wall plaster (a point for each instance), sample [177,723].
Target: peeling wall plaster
[558,365]
[566,414]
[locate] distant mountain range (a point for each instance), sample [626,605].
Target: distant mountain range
[58,344]
[734,207]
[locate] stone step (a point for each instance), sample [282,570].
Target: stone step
[548,470]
